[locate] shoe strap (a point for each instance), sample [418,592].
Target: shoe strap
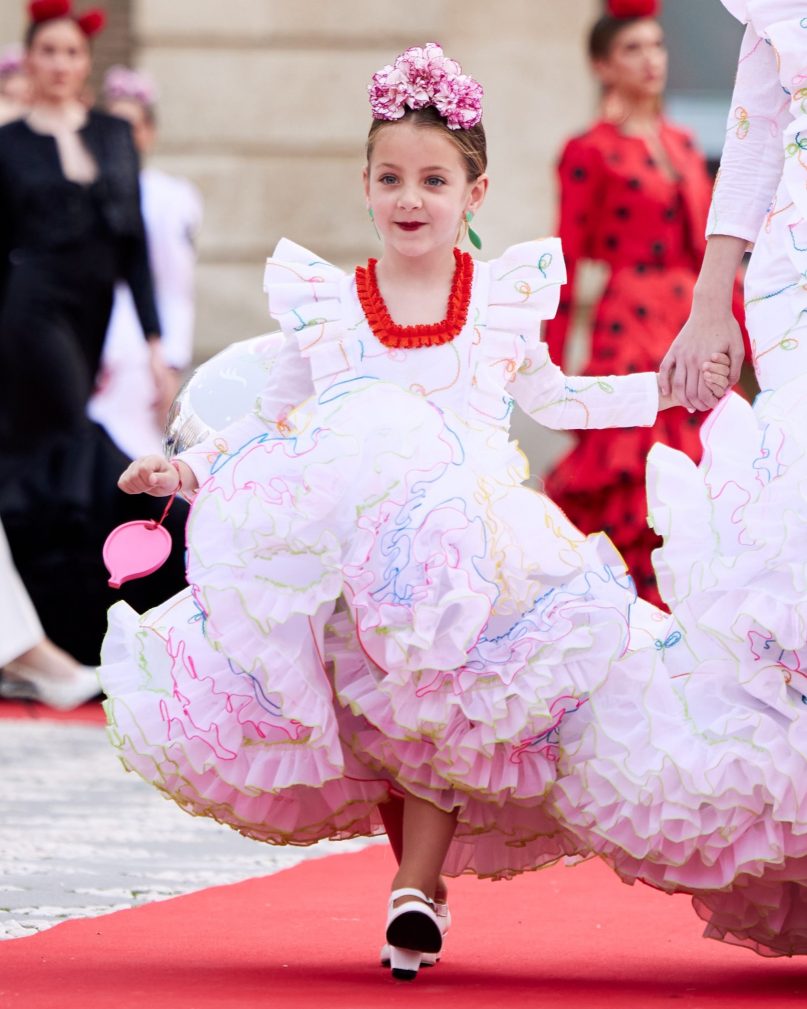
[409,891]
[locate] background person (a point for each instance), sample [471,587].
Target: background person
[126,401]
[70,228]
[15,90]
[31,666]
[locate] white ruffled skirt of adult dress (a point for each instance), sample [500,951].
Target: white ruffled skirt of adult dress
[690,772]
[377,605]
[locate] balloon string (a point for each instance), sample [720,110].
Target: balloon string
[153,524]
[159,522]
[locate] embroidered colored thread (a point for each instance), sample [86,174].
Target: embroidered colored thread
[390,334]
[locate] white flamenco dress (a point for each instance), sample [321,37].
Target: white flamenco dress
[377,603]
[690,772]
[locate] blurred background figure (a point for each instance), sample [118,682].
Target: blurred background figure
[70,229]
[634,195]
[31,666]
[15,90]
[126,402]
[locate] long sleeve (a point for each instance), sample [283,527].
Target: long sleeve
[753,153]
[568,403]
[579,182]
[288,384]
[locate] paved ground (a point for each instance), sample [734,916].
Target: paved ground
[81,837]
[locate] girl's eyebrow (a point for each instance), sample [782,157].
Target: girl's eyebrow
[428,168]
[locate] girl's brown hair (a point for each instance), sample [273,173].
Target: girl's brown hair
[471,143]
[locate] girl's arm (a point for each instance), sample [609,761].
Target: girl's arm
[579,172]
[289,383]
[750,169]
[565,402]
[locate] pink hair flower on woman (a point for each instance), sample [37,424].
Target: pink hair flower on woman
[423,76]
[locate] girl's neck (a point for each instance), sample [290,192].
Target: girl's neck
[57,116]
[415,289]
[434,267]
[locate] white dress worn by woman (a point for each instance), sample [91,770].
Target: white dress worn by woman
[690,773]
[124,401]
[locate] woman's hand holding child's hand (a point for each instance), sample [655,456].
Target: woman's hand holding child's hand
[155,475]
[716,373]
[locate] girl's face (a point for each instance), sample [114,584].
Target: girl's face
[636,66]
[58,61]
[417,187]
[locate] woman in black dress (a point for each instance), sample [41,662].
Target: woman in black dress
[70,227]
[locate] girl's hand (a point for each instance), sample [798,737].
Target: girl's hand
[716,375]
[152,474]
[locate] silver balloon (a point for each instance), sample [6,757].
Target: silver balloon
[220,391]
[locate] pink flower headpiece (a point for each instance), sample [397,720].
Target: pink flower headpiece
[132,85]
[422,77]
[12,60]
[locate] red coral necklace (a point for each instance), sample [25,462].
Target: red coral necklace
[408,337]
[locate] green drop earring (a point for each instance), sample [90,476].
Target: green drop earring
[372,221]
[473,238]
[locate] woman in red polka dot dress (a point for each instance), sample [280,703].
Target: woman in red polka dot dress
[634,194]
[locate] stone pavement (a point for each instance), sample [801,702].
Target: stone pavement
[81,837]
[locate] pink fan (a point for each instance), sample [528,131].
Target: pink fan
[138,548]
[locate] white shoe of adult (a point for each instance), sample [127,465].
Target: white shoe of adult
[412,930]
[65,692]
[426,959]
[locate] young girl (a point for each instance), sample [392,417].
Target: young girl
[383,623]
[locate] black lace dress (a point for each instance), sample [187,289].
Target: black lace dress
[63,246]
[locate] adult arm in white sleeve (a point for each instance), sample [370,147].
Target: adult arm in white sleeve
[750,170]
[753,152]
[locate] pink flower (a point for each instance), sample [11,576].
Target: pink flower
[425,76]
[459,101]
[132,85]
[12,60]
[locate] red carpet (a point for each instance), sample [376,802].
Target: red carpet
[91,713]
[569,937]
